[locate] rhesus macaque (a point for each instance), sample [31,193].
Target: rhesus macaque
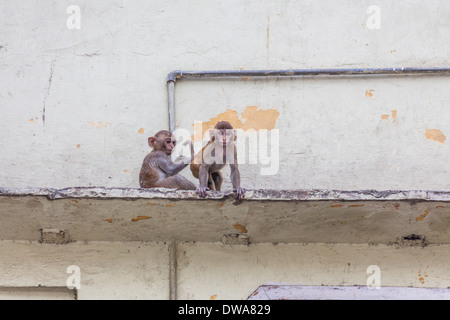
[158,170]
[219,151]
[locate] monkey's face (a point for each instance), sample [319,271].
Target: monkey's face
[224,136]
[168,145]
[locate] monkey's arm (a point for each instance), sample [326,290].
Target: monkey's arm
[203,177]
[166,165]
[235,176]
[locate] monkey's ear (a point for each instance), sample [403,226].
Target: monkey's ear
[151,142]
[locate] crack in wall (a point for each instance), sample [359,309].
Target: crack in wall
[50,78]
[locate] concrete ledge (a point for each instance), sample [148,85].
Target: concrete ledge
[251,195]
[287,216]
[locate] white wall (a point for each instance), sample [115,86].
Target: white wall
[98,86]
[140,270]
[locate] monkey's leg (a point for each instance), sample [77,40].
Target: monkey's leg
[217,178]
[176,182]
[211,182]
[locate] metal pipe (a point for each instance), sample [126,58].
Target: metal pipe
[290,73]
[171,99]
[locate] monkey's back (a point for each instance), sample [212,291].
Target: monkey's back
[149,175]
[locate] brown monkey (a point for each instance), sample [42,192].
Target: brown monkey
[158,170]
[219,151]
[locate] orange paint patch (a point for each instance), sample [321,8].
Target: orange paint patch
[109,220]
[356,205]
[171,205]
[254,118]
[421,217]
[138,218]
[31,120]
[100,124]
[126,171]
[384,116]
[336,206]
[220,205]
[151,203]
[436,135]
[213,297]
[78,146]
[141,131]
[369,93]
[240,228]
[440,207]
[396,206]
[422,276]
[251,118]
[394,114]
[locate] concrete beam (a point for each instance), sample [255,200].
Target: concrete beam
[287,216]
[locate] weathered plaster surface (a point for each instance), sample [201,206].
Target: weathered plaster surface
[78,105]
[319,216]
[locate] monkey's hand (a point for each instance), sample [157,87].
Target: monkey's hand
[201,191]
[239,193]
[182,160]
[191,146]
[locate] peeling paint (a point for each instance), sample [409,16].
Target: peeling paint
[99,124]
[421,276]
[384,116]
[141,131]
[138,218]
[436,135]
[240,228]
[369,93]
[336,206]
[394,114]
[213,297]
[421,217]
[171,205]
[251,118]
[356,205]
[109,220]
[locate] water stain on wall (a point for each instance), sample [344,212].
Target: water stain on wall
[436,135]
